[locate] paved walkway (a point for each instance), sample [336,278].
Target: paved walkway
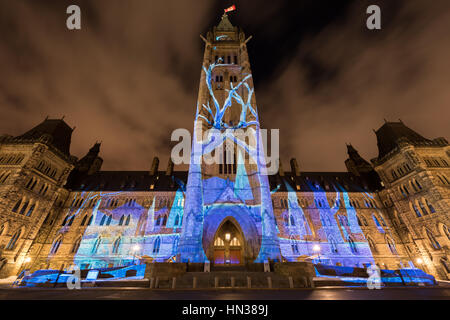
[227,294]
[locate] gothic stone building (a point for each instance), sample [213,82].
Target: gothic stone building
[57,210]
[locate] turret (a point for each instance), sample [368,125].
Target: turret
[169,170]
[91,162]
[294,167]
[155,165]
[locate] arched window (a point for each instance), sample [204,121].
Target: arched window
[56,245]
[294,246]
[445,264]
[376,221]
[430,206]
[292,220]
[391,245]
[434,243]
[96,245]
[343,220]
[65,221]
[17,205]
[108,222]
[2,228]
[413,186]
[4,177]
[219,242]
[121,220]
[90,220]
[164,221]
[359,221]
[422,208]
[444,227]
[286,220]
[102,222]
[116,245]
[30,211]
[84,220]
[333,245]
[235,242]
[127,222]
[76,245]
[418,184]
[177,220]
[364,221]
[71,221]
[352,245]
[323,221]
[12,242]
[382,221]
[372,245]
[416,210]
[157,245]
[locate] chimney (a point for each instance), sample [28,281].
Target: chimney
[294,167]
[169,170]
[155,165]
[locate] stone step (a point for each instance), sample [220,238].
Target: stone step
[208,280]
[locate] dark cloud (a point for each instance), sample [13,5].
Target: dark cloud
[131,75]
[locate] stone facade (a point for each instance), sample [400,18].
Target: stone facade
[56,210]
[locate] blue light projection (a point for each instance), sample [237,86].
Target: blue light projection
[211,199]
[341,238]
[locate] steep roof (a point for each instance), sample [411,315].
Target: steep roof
[57,129]
[389,134]
[225,24]
[320,181]
[143,180]
[128,181]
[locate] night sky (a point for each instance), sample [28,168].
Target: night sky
[131,75]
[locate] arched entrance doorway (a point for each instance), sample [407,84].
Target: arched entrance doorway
[228,244]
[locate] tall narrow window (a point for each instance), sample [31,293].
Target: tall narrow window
[84,220]
[12,242]
[391,246]
[445,228]
[435,244]
[116,245]
[292,220]
[333,245]
[372,245]
[76,245]
[425,211]
[157,245]
[71,221]
[24,207]
[30,211]
[55,246]
[352,245]
[416,210]
[96,245]
[102,222]
[127,222]
[430,206]
[17,205]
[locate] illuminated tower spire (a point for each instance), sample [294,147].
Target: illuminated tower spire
[227,127]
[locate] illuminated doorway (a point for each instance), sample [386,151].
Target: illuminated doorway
[228,244]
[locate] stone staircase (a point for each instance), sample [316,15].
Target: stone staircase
[227,279]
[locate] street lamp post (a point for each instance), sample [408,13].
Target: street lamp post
[136,248]
[316,248]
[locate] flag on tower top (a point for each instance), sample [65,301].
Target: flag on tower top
[232,8]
